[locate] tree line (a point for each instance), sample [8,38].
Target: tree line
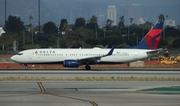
[83,33]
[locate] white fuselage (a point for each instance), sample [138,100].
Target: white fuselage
[59,55]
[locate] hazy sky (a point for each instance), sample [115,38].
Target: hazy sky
[143,2]
[25,8]
[166,7]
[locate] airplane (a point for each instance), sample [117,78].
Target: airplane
[146,48]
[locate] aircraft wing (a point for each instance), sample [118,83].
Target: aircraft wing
[95,58]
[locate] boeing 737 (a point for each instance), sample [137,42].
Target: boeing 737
[75,57]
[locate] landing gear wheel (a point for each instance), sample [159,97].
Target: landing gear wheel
[87,67]
[26,67]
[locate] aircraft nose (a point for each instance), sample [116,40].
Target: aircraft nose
[14,58]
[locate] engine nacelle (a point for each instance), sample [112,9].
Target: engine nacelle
[71,63]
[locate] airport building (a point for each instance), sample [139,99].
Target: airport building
[1,31]
[170,22]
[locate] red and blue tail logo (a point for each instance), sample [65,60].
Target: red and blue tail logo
[152,38]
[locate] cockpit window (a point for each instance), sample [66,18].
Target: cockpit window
[20,54]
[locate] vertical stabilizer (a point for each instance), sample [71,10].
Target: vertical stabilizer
[152,38]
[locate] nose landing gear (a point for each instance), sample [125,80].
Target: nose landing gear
[25,65]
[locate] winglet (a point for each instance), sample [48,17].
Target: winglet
[111,51]
[106,46]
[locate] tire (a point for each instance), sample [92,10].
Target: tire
[87,67]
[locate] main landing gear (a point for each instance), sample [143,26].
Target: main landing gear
[87,67]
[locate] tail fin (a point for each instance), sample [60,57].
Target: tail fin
[152,38]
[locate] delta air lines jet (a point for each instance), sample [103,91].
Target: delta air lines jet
[75,57]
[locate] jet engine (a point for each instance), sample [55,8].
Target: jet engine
[71,63]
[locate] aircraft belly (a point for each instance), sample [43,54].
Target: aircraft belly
[44,59]
[114,59]
[122,59]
